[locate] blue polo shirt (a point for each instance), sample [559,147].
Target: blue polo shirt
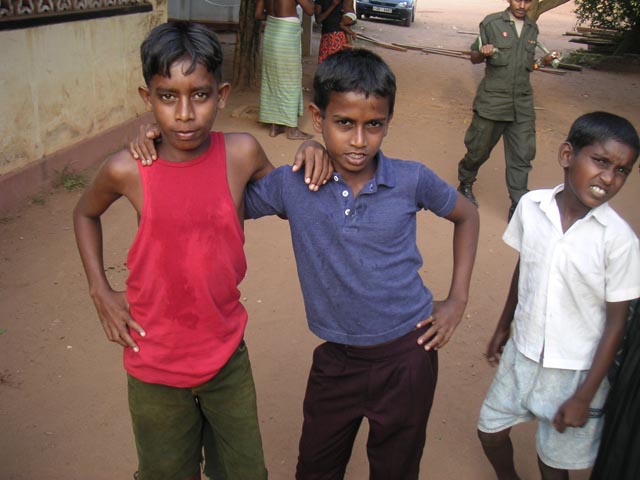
[357,258]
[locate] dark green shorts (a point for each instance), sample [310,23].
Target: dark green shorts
[173,425]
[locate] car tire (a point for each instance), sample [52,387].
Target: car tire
[407,21]
[358,15]
[413,14]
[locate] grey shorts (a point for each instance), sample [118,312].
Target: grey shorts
[524,390]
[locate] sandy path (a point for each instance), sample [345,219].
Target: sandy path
[63,410]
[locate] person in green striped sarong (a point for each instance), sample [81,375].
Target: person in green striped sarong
[281,86]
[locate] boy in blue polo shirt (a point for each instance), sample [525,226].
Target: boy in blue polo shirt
[363,294]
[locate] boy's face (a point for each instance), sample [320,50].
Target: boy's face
[353,128]
[596,173]
[185,107]
[519,8]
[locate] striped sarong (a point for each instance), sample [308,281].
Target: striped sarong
[281,87]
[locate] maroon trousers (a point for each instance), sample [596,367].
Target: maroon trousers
[392,385]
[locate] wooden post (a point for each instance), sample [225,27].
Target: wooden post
[306,35]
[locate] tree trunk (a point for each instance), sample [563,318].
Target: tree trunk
[245,59]
[538,7]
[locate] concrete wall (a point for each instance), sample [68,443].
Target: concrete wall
[210,11]
[65,83]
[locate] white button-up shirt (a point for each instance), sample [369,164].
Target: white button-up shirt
[567,278]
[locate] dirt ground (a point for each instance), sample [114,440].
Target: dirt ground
[63,407]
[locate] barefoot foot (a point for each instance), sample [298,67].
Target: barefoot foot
[276,130]
[294,133]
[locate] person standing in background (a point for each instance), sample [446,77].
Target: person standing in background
[336,18]
[503,106]
[281,85]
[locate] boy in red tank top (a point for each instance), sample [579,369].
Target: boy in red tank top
[189,376]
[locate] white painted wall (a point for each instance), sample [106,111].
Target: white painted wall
[67,82]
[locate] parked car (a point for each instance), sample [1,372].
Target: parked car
[403,10]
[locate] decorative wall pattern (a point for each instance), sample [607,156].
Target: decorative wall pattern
[16,14]
[15,8]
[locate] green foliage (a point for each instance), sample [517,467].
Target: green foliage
[583,57]
[71,180]
[614,14]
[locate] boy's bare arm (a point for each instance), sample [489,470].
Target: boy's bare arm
[321,15]
[347,6]
[447,314]
[503,329]
[260,12]
[118,176]
[246,161]
[307,6]
[311,154]
[575,411]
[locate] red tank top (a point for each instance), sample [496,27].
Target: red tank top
[185,266]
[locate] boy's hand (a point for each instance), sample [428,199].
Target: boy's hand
[317,166]
[442,323]
[113,311]
[143,147]
[496,345]
[572,413]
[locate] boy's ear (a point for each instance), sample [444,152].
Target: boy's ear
[145,95]
[224,89]
[316,117]
[565,154]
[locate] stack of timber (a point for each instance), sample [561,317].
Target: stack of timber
[598,40]
[380,43]
[464,54]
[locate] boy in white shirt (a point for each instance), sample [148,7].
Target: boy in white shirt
[579,267]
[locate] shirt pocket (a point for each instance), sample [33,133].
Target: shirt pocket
[502,55]
[530,53]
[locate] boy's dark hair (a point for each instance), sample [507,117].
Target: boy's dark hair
[599,127]
[173,41]
[354,70]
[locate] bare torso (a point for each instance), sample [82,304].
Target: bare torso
[287,8]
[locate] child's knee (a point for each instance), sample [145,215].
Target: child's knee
[493,439]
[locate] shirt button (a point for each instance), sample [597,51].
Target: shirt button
[335,178]
[345,193]
[347,212]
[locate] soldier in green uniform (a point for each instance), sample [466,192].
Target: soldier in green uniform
[503,106]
